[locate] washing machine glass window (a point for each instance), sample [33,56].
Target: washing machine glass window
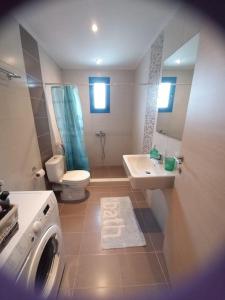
[43,272]
[46,263]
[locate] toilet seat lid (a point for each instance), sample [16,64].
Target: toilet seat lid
[75,176]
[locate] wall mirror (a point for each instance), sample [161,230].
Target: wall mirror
[174,89]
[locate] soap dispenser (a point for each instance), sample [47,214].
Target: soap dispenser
[169,162]
[154,153]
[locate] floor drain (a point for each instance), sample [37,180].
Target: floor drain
[148,172]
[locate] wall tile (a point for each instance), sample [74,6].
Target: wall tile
[45,146]
[42,126]
[39,108]
[38,101]
[35,88]
[154,80]
[29,43]
[32,66]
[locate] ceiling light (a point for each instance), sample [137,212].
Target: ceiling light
[94,28]
[178,61]
[98,61]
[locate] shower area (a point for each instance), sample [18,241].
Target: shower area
[106,171]
[106,134]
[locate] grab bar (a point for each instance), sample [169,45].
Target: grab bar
[9,74]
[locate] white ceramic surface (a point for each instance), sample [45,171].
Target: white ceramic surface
[146,173]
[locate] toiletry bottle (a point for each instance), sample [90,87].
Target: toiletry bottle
[4,203]
[154,153]
[169,162]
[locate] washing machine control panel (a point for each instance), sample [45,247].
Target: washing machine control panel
[42,217]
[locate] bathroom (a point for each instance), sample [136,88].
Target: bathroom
[135,44]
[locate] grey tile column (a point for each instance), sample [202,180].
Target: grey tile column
[151,103]
[37,96]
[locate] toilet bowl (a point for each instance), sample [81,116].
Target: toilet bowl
[72,184]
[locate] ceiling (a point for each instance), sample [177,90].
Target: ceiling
[126,29]
[186,55]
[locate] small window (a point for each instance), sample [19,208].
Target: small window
[99,89]
[166,94]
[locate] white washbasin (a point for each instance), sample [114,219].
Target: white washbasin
[146,173]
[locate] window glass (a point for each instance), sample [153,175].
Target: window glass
[99,91]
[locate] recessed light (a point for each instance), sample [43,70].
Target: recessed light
[98,61]
[94,28]
[178,61]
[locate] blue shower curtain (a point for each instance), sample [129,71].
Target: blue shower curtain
[69,120]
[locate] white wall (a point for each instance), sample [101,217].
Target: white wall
[19,150]
[196,225]
[51,73]
[181,28]
[117,124]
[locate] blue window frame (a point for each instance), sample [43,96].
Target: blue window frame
[99,91]
[166,94]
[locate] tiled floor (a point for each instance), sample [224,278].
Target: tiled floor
[108,172]
[93,273]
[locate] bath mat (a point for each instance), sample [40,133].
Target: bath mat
[119,227]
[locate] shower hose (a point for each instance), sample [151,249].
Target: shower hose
[102,137]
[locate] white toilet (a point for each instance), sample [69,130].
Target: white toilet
[72,184]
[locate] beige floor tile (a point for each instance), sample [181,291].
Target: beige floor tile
[72,223]
[145,291]
[92,222]
[93,207]
[93,273]
[100,172]
[65,293]
[97,195]
[110,293]
[91,244]
[163,265]
[108,172]
[101,189]
[141,268]
[157,239]
[71,242]
[98,271]
[69,275]
[76,209]
[139,196]
[116,172]
[122,192]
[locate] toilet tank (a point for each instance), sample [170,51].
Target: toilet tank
[55,168]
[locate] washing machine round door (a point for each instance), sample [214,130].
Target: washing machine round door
[43,271]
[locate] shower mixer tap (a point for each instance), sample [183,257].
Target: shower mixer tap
[100,133]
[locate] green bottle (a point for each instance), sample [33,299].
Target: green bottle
[170,164]
[154,153]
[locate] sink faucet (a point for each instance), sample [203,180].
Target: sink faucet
[179,159]
[159,158]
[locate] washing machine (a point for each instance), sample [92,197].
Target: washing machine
[34,255]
